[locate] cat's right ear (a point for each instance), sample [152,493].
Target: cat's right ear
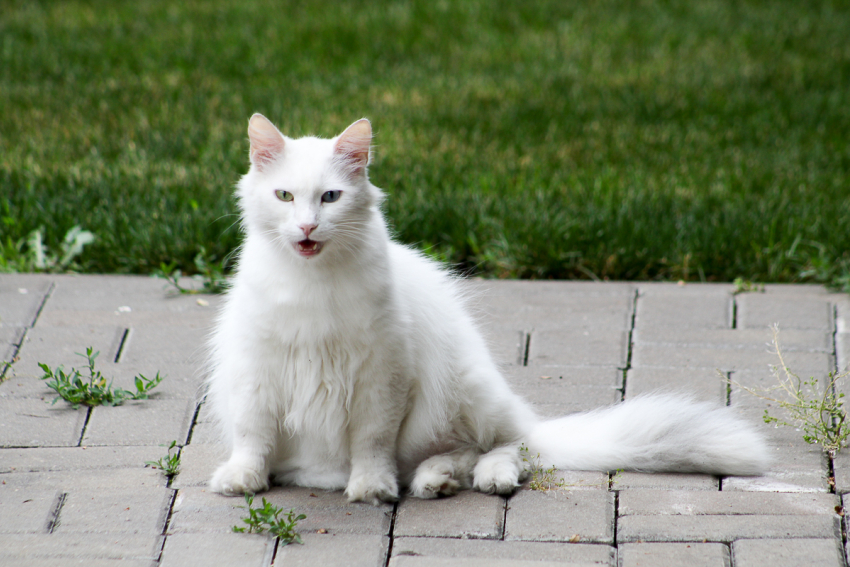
[266,141]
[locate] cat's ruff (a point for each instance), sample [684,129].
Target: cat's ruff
[342,359]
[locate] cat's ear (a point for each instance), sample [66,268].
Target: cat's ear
[266,141]
[352,147]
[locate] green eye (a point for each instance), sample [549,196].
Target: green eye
[283,195]
[331,196]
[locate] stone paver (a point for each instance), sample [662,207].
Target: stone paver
[561,515]
[769,553]
[572,553]
[674,555]
[468,515]
[74,487]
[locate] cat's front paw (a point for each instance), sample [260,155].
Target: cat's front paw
[372,488]
[235,478]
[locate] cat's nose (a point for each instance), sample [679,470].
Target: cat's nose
[307,229]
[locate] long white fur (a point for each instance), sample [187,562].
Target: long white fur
[360,367]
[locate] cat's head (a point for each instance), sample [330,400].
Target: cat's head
[308,196]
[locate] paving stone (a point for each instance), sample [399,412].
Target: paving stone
[469,514]
[26,510]
[42,547]
[561,515]
[408,561]
[106,293]
[506,344]
[763,310]
[783,478]
[156,345]
[36,423]
[21,296]
[754,339]
[199,510]
[842,347]
[179,381]
[770,553]
[571,553]
[92,480]
[205,550]
[335,549]
[601,346]
[199,316]
[626,480]
[206,430]
[726,359]
[56,346]
[197,464]
[64,561]
[75,458]
[25,386]
[551,310]
[725,528]
[703,384]
[144,422]
[841,301]
[703,307]
[673,555]
[566,389]
[141,511]
[701,502]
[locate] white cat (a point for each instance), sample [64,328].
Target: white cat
[342,359]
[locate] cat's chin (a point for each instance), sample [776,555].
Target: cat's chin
[308,248]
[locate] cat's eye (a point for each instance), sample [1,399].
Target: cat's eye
[331,196]
[283,195]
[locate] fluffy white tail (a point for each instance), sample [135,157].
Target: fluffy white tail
[655,433]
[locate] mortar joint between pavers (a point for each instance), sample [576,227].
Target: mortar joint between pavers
[391,535]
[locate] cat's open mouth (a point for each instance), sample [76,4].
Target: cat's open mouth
[308,248]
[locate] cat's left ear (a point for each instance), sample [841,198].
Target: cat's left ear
[352,147]
[266,141]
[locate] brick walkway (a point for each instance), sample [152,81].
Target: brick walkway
[75,489]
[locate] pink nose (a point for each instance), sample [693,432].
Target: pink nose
[307,229]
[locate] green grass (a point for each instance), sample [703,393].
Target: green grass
[640,140]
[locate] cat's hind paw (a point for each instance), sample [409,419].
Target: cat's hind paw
[233,478]
[498,472]
[435,477]
[373,489]
[431,484]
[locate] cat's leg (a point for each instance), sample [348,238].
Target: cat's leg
[377,408]
[499,471]
[443,475]
[252,428]
[247,469]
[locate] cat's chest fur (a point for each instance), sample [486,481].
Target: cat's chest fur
[310,334]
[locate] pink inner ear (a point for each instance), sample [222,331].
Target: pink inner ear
[352,147]
[266,141]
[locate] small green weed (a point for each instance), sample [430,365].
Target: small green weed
[267,518]
[211,274]
[541,479]
[170,463]
[817,410]
[93,391]
[746,286]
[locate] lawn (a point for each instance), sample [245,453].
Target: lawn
[565,139]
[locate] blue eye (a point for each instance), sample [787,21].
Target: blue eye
[283,195]
[331,196]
